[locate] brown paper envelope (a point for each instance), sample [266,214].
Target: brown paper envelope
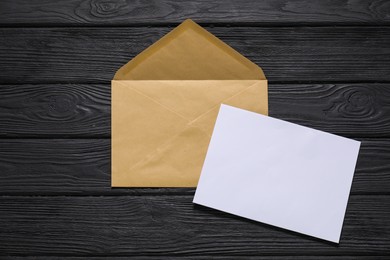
[189,52]
[161,128]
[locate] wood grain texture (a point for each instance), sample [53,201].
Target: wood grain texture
[82,167]
[60,110]
[290,257]
[80,110]
[92,55]
[56,62]
[128,12]
[352,110]
[172,225]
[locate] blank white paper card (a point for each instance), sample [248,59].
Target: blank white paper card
[278,173]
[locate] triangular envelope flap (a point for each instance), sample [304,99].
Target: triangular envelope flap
[189,52]
[189,98]
[252,99]
[137,114]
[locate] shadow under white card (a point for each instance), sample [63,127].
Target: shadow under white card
[278,173]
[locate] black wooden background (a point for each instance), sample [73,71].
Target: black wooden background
[328,65]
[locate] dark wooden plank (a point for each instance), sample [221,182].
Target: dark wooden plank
[172,225]
[92,55]
[351,110]
[102,12]
[82,167]
[355,257]
[79,110]
[60,110]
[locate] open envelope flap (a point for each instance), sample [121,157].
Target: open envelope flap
[189,52]
[161,129]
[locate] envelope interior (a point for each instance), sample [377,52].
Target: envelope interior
[189,52]
[161,128]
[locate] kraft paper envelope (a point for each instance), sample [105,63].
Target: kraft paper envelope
[165,102]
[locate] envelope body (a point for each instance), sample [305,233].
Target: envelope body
[165,102]
[161,128]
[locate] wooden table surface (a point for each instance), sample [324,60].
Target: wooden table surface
[328,65]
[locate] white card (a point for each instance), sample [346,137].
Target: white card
[278,173]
